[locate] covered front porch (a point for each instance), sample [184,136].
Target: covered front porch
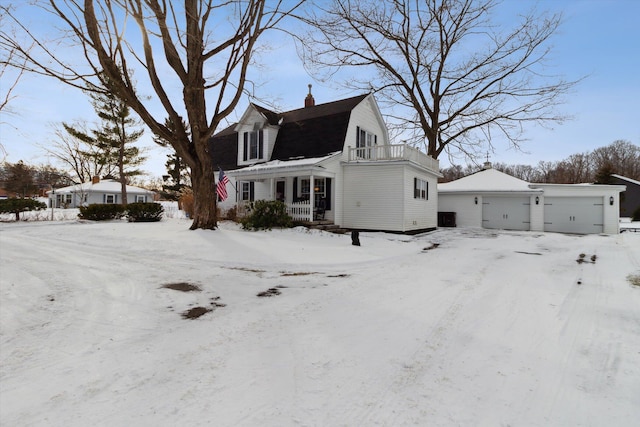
[305,187]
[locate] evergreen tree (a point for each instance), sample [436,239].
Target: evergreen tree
[178,176]
[115,136]
[20,180]
[603,175]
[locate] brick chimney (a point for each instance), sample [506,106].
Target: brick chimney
[309,101]
[95,179]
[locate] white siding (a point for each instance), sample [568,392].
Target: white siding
[420,214]
[372,198]
[379,196]
[365,115]
[468,213]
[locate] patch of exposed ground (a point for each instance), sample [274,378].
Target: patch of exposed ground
[271,292]
[182,287]
[194,312]
[299,273]
[581,259]
[433,246]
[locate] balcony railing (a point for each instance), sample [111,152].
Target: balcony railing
[379,153]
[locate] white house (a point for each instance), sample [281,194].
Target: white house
[96,192]
[331,159]
[492,199]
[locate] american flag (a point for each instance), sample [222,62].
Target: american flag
[221,189]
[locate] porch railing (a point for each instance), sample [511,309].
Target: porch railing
[300,211]
[378,153]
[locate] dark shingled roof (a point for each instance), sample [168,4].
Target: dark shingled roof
[223,148]
[306,132]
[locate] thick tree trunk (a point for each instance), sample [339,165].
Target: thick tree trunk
[204,195]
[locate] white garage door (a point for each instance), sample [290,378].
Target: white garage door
[580,215]
[506,213]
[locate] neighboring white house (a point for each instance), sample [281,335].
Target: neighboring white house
[492,199]
[96,192]
[333,159]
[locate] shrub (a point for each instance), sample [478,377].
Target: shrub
[97,212]
[266,215]
[144,212]
[186,203]
[636,215]
[231,214]
[20,205]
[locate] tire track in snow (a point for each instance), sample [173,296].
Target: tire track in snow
[390,407]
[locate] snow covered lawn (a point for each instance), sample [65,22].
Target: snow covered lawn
[454,327]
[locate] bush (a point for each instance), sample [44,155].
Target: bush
[636,215]
[231,214]
[20,205]
[266,215]
[186,203]
[97,212]
[144,212]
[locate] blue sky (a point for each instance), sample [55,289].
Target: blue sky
[599,39]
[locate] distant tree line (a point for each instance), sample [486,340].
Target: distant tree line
[22,180]
[621,158]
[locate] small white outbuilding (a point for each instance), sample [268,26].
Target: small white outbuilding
[493,199]
[107,191]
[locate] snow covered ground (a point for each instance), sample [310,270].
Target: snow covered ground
[454,327]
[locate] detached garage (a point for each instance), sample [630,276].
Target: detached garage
[493,199]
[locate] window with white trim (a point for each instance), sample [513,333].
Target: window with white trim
[253,144]
[110,198]
[140,199]
[365,140]
[420,189]
[247,192]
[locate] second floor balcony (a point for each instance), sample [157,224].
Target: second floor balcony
[378,153]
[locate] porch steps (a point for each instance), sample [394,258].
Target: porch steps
[325,226]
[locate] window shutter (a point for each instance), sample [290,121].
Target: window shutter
[375,139]
[104,198]
[327,190]
[357,136]
[252,192]
[416,190]
[261,144]
[245,151]
[427,185]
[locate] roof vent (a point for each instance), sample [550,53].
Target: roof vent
[309,101]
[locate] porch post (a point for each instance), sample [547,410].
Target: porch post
[272,188]
[312,197]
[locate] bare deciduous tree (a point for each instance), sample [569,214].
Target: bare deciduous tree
[622,156]
[80,159]
[447,74]
[192,55]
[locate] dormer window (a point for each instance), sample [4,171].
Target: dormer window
[254,144]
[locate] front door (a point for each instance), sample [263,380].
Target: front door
[280,190]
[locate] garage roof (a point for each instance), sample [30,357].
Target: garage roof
[487,180]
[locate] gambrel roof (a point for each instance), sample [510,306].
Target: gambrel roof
[308,132]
